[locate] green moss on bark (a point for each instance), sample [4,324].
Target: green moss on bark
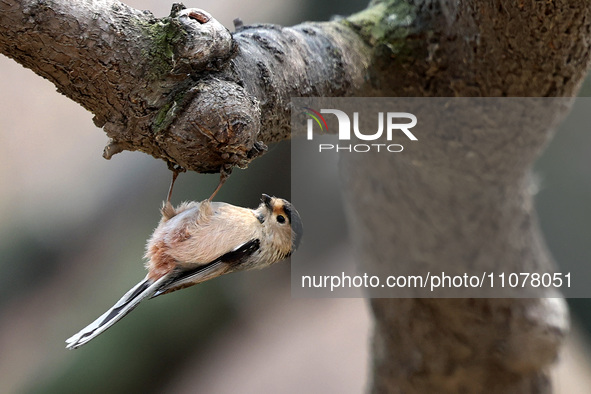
[164,34]
[386,25]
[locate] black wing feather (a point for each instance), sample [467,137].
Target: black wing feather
[230,260]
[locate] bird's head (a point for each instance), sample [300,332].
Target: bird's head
[282,220]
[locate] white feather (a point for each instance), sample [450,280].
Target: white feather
[126,303]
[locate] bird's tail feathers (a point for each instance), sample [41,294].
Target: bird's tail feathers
[145,289]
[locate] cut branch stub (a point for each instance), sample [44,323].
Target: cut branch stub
[217,128]
[198,119]
[207,43]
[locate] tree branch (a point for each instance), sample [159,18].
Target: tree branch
[181,88]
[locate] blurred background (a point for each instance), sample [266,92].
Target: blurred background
[73,228]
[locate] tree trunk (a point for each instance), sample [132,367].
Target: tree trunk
[185,90]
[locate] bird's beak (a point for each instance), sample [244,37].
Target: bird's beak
[266,199]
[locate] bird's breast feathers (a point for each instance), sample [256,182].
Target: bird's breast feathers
[200,233]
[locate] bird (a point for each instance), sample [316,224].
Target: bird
[199,241]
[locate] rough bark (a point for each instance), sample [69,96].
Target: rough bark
[466,48]
[183,89]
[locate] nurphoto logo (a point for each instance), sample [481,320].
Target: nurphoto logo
[393,126]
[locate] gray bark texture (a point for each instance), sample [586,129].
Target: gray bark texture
[186,90]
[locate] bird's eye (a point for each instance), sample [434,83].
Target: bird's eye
[281,218]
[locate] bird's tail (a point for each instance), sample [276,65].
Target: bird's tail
[126,304]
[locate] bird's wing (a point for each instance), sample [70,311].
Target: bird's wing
[183,277]
[174,280]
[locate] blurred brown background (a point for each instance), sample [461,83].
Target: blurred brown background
[73,228]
